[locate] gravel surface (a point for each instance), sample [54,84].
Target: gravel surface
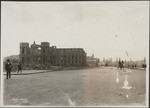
[87,87]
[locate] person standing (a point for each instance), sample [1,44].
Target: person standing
[19,67]
[120,64]
[123,65]
[8,68]
[135,67]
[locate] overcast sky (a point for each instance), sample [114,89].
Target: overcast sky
[106,29]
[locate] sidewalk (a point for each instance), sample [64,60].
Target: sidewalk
[27,72]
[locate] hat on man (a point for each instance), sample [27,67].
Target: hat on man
[8,60]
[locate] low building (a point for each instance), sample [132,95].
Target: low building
[91,61]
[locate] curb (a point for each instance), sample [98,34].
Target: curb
[29,73]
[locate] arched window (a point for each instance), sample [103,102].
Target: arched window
[39,48]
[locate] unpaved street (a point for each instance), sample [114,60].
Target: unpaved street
[87,87]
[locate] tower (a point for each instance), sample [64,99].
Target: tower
[44,51]
[24,51]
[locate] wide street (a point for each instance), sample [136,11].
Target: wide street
[86,87]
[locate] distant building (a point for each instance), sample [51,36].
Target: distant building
[91,61]
[107,62]
[44,55]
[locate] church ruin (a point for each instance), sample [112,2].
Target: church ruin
[45,56]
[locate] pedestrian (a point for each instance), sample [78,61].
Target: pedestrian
[123,65]
[8,68]
[143,65]
[19,67]
[120,64]
[135,67]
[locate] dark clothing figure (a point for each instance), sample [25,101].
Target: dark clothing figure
[144,66]
[19,68]
[123,66]
[135,66]
[120,64]
[8,68]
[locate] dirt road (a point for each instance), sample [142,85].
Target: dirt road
[88,87]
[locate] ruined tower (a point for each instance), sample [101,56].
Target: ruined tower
[24,52]
[44,52]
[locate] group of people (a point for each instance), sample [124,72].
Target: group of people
[8,68]
[121,65]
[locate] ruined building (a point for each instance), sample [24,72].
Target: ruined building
[44,55]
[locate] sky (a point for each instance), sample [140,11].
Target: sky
[103,28]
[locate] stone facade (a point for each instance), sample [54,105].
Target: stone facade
[44,55]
